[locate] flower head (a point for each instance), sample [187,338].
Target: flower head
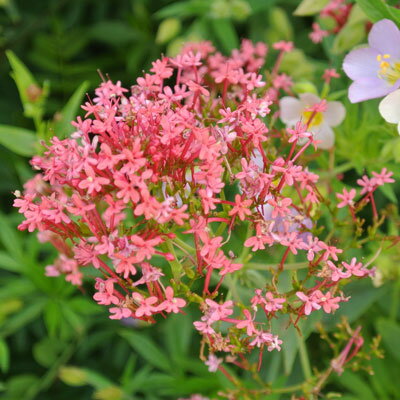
[389,108]
[375,70]
[318,116]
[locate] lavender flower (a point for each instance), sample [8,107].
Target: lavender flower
[375,70]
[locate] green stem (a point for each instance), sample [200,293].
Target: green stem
[395,301]
[184,245]
[51,374]
[176,266]
[264,267]
[288,389]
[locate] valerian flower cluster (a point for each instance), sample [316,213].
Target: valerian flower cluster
[157,179]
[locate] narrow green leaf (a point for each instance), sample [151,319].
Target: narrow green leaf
[19,140]
[9,238]
[21,74]
[113,32]
[52,317]
[47,351]
[310,7]
[31,94]
[184,9]
[356,385]
[225,32]
[17,321]
[390,332]
[167,30]
[4,356]
[375,9]
[147,349]
[178,326]
[8,263]
[352,33]
[63,127]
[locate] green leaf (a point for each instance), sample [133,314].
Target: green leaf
[180,326]
[310,7]
[389,192]
[147,349]
[8,263]
[63,127]
[184,9]
[356,385]
[390,332]
[289,336]
[18,386]
[352,33]
[19,140]
[113,33]
[52,317]
[9,238]
[47,351]
[4,356]
[279,26]
[31,94]
[19,320]
[167,30]
[225,33]
[375,9]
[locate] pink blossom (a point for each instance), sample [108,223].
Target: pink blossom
[171,303]
[213,362]
[120,312]
[368,185]
[327,301]
[317,34]
[283,46]
[145,305]
[241,207]
[355,268]
[383,177]
[105,292]
[247,323]
[310,303]
[272,303]
[346,198]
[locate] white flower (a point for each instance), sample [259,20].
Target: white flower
[389,108]
[293,110]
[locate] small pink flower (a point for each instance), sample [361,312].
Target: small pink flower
[213,362]
[272,303]
[241,207]
[171,304]
[146,305]
[368,185]
[247,323]
[317,34]
[383,177]
[120,312]
[283,46]
[346,198]
[329,74]
[309,303]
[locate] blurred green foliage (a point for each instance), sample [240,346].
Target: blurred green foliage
[55,342]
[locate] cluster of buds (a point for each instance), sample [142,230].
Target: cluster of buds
[151,187]
[338,11]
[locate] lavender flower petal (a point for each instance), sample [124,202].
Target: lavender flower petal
[370,89]
[385,38]
[361,63]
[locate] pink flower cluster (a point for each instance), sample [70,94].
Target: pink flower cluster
[338,11]
[138,193]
